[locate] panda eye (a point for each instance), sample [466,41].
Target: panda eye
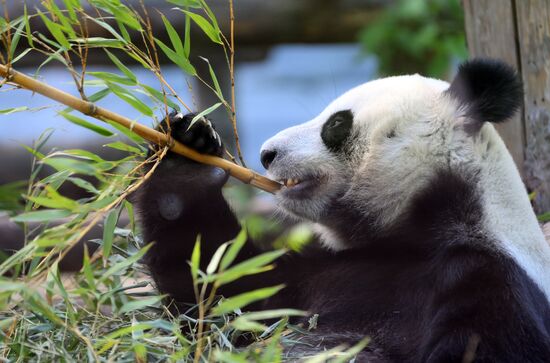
[337,129]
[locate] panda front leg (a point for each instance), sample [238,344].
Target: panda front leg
[181,200]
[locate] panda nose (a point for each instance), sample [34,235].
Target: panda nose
[267,157]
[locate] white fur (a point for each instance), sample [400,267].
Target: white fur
[384,173]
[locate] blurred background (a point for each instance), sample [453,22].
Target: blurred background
[292,59]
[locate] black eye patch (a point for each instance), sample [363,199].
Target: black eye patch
[337,129]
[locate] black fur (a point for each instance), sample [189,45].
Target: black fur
[489,89]
[432,290]
[337,129]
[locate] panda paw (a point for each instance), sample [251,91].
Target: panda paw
[200,136]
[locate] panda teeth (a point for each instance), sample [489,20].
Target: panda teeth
[291,182]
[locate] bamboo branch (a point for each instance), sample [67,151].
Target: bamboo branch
[88,108]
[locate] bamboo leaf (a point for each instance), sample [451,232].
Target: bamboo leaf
[99,42]
[174,37]
[8,111]
[129,98]
[42,215]
[119,145]
[241,300]
[122,265]
[84,184]
[209,29]
[88,125]
[107,27]
[215,260]
[253,265]
[87,268]
[114,78]
[204,113]
[122,67]
[16,37]
[21,55]
[234,248]
[161,97]
[186,3]
[139,304]
[121,12]
[109,231]
[75,166]
[56,30]
[195,258]
[181,62]
[27,25]
[214,79]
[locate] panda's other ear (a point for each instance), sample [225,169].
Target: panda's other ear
[488,89]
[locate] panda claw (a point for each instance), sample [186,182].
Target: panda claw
[199,135]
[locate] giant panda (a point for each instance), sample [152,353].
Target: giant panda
[428,242]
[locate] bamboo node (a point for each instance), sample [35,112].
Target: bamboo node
[10,73]
[92,109]
[170,142]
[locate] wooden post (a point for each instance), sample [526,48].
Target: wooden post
[518,32]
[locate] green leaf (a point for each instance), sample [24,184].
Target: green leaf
[272,314]
[21,55]
[75,166]
[174,37]
[206,27]
[8,111]
[88,125]
[56,30]
[88,272]
[187,37]
[109,231]
[139,304]
[42,215]
[99,95]
[84,184]
[114,78]
[119,145]
[122,67]
[122,265]
[27,25]
[107,27]
[120,12]
[54,200]
[129,134]
[241,300]
[195,258]
[132,100]
[15,38]
[204,113]
[253,265]
[181,62]
[186,3]
[236,245]
[161,97]
[215,260]
[214,79]
[244,324]
[99,42]
[71,5]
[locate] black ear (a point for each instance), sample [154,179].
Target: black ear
[488,89]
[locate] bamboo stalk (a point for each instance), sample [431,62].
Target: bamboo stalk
[88,108]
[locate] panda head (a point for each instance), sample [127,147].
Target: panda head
[374,147]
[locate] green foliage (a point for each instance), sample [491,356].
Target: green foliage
[417,36]
[109,311]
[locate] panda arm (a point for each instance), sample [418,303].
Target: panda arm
[485,305]
[181,200]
